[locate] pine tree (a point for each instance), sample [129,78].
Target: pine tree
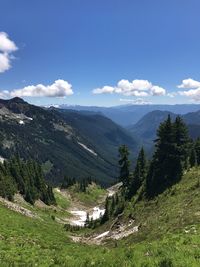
[124,164]
[193,160]
[87,221]
[139,174]
[169,158]
[197,150]
[182,141]
[105,217]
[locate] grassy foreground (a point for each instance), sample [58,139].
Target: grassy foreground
[169,235]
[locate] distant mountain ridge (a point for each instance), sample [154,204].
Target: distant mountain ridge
[65,142]
[146,127]
[126,115]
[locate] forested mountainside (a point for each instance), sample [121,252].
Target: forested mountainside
[63,146]
[145,129]
[149,219]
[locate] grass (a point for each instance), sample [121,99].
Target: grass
[93,194]
[63,202]
[169,235]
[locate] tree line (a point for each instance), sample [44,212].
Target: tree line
[174,153]
[25,177]
[81,184]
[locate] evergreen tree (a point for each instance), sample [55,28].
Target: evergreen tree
[27,178]
[139,174]
[124,164]
[193,159]
[182,142]
[87,221]
[105,217]
[197,150]
[170,156]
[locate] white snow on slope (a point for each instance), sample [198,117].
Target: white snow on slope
[88,149]
[1,159]
[102,235]
[29,118]
[81,215]
[97,213]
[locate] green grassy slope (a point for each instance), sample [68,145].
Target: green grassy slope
[168,236]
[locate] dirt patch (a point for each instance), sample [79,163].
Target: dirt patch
[18,208]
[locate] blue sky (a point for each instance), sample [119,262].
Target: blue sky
[100,52]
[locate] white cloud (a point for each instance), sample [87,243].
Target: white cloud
[6,48]
[189,84]
[135,88]
[173,94]
[6,45]
[59,88]
[157,90]
[138,101]
[194,86]
[104,90]
[193,93]
[135,93]
[4,94]
[134,85]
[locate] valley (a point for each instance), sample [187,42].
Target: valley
[139,212]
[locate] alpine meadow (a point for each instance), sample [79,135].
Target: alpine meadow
[99,133]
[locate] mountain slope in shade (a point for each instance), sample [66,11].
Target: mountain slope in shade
[73,144]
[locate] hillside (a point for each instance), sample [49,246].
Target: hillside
[166,237]
[73,144]
[145,129]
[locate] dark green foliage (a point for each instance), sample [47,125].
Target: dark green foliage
[25,177]
[54,138]
[67,182]
[197,150]
[139,175]
[193,157]
[72,228]
[124,164]
[82,184]
[87,221]
[114,206]
[170,157]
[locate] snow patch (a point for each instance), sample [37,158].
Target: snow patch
[1,159]
[97,213]
[21,122]
[102,235]
[29,118]
[88,149]
[81,215]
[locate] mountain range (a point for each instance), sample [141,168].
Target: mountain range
[66,142]
[82,143]
[126,115]
[145,128]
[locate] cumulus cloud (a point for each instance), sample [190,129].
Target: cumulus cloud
[59,88]
[157,90]
[7,47]
[189,84]
[194,86]
[138,101]
[139,88]
[193,93]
